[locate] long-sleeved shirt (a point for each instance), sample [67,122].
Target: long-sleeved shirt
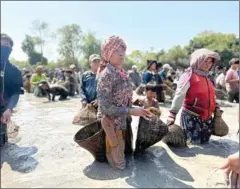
[11,86]
[36,78]
[88,87]
[114,92]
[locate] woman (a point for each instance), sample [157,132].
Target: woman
[198,94]
[114,92]
[152,76]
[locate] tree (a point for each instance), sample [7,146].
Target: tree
[28,46]
[69,47]
[225,44]
[40,30]
[90,45]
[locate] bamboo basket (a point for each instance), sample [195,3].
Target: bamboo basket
[220,127]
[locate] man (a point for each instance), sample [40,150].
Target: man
[135,77]
[11,86]
[164,71]
[232,81]
[88,81]
[88,85]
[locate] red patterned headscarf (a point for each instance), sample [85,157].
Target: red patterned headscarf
[108,48]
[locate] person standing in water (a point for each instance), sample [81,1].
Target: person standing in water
[114,93]
[197,94]
[11,86]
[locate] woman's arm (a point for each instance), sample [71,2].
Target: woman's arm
[105,99]
[179,98]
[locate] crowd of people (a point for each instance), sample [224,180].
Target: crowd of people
[109,86]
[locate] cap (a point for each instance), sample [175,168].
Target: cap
[72,66]
[94,57]
[167,66]
[134,67]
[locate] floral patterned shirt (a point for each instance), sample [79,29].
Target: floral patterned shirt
[114,93]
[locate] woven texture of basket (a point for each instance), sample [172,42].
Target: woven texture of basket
[175,136]
[220,127]
[92,138]
[140,89]
[149,133]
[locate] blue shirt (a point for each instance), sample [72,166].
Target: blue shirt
[88,88]
[163,75]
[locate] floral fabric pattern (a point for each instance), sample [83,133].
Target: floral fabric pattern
[114,92]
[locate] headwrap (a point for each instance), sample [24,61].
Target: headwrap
[108,48]
[197,59]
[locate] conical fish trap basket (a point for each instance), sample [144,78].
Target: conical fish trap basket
[220,128]
[175,136]
[92,138]
[149,133]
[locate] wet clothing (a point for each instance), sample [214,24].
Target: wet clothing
[196,130]
[88,87]
[114,92]
[197,92]
[37,78]
[11,86]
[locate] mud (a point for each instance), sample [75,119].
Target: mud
[45,155]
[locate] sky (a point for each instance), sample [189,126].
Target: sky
[142,24]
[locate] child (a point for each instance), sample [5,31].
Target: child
[150,99]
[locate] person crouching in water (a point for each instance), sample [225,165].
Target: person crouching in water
[35,80]
[198,94]
[114,94]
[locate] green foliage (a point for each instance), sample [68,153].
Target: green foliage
[70,38]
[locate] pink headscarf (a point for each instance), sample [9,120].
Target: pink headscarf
[108,48]
[197,59]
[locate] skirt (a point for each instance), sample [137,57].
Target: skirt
[196,131]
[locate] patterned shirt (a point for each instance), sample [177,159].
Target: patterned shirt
[114,92]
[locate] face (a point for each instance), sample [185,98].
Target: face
[95,65]
[153,67]
[151,94]
[235,66]
[207,65]
[117,58]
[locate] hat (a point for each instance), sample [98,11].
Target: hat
[151,62]
[134,67]
[234,61]
[167,66]
[72,66]
[94,57]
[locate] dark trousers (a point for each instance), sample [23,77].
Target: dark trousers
[233,96]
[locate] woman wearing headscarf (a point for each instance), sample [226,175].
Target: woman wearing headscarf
[197,94]
[114,93]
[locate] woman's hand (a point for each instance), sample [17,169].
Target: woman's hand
[141,112]
[171,119]
[6,117]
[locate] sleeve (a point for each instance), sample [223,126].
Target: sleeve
[81,92]
[228,76]
[13,101]
[146,77]
[105,99]
[34,80]
[179,98]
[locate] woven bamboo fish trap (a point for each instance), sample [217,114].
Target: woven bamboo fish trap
[175,136]
[92,138]
[149,133]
